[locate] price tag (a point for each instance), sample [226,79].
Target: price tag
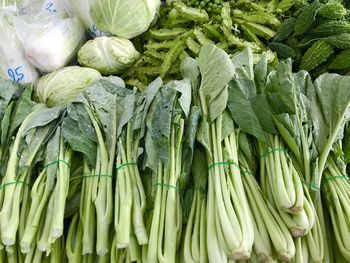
[95,32]
[50,7]
[15,74]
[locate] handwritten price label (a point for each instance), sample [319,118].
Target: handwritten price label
[50,7]
[15,74]
[95,32]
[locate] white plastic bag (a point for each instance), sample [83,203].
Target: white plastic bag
[35,6]
[50,42]
[81,9]
[13,63]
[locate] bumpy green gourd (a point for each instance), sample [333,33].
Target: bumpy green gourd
[306,18]
[286,29]
[341,41]
[341,61]
[332,10]
[331,28]
[318,53]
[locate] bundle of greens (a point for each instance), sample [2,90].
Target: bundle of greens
[171,129]
[271,235]
[30,134]
[230,231]
[44,225]
[92,127]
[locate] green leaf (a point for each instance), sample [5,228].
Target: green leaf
[9,90]
[108,103]
[241,92]
[78,131]
[23,107]
[280,83]
[43,116]
[144,104]
[203,136]
[5,124]
[159,121]
[216,71]
[188,146]
[184,87]
[329,104]
[200,169]
[243,64]
[264,113]
[261,72]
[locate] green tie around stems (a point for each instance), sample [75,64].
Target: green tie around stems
[273,150]
[14,182]
[124,165]
[168,186]
[86,176]
[312,186]
[223,163]
[331,178]
[58,161]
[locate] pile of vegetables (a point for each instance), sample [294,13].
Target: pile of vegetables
[186,131]
[316,37]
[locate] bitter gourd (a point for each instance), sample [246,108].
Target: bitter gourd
[318,53]
[331,28]
[341,61]
[332,10]
[341,41]
[306,18]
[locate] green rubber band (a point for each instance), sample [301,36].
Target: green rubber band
[273,150]
[58,161]
[313,186]
[123,166]
[167,186]
[14,182]
[330,178]
[224,163]
[86,176]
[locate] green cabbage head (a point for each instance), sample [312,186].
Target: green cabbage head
[124,18]
[108,55]
[64,85]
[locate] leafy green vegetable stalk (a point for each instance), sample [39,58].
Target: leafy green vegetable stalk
[165,149]
[74,244]
[194,244]
[78,131]
[32,134]
[130,198]
[336,190]
[278,171]
[53,180]
[229,223]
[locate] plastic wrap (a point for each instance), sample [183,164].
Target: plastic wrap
[13,63]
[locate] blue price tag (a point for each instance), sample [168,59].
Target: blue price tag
[15,74]
[95,32]
[50,7]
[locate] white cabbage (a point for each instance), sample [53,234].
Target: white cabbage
[109,55]
[63,86]
[124,18]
